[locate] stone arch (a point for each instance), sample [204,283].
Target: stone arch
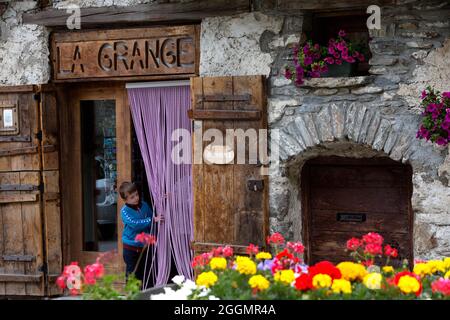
[349,130]
[354,122]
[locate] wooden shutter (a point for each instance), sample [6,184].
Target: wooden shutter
[28,163]
[51,192]
[21,243]
[227,209]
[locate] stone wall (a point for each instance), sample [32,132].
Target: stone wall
[23,48]
[374,115]
[371,115]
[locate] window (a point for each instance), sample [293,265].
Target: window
[326,25]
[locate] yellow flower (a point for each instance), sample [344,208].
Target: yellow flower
[284,276]
[447,263]
[244,265]
[422,269]
[218,263]
[263,256]
[206,279]
[408,284]
[373,280]
[352,271]
[388,269]
[259,282]
[447,275]
[341,286]
[321,281]
[436,266]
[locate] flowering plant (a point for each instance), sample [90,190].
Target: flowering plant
[93,284]
[369,248]
[282,274]
[311,61]
[435,117]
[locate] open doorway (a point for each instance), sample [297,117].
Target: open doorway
[139,177]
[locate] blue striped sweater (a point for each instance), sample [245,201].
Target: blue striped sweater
[135,222]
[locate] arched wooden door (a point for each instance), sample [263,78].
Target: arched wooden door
[346,197]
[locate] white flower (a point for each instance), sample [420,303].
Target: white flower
[204,292]
[213,298]
[178,279]
[189,284]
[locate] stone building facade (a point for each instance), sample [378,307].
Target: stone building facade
[364,116]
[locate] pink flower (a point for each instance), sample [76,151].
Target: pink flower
[61,282]
[145,238]
[329,60]
[373,249]
[252,249]
[287,74]
[390,252]
[96,269]
[342,33]
[336,55]
[296,247]
[367,263]
[441,141]
[353,244]
[446,95]
[217,251]
[227,251]
[72,270]
[275,238]
[307,61]
[350,59]
[373,238]
[441,286]
[361,57]
[424,94]
[338,61]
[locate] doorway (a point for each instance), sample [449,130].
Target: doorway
[347,197]
[95,159]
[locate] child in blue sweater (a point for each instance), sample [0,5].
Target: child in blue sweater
[137,217]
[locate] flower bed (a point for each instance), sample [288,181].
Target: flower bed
[283,275]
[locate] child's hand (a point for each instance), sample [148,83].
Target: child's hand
[159,218]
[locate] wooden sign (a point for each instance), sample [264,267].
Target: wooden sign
[122,53]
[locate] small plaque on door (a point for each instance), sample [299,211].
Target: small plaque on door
[351,217]
[9,119]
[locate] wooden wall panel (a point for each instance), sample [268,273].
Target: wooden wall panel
[225,210]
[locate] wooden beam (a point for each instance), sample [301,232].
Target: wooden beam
[144,13]
[20,277]
[224,114]
[12,198]
[290,5]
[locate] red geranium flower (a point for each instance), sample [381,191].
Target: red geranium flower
[275,238]
[61,282]
[227,251]
[353,244]
[303,282]
[145,238]
[296,247]
[325,267]
[373,238]
[252,249]
[390,252]
[373,249]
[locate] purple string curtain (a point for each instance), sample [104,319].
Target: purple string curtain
[156,113]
